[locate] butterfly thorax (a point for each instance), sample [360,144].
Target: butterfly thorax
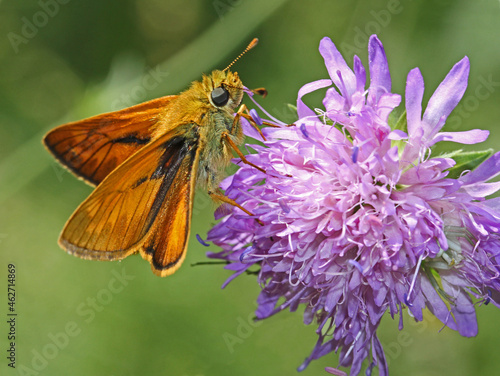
[205,117]
[218,120]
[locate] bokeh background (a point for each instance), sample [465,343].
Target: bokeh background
[63,60]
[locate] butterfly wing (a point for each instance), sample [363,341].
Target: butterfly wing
[142,206]
[93,147]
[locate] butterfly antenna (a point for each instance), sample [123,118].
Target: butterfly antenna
[251,45]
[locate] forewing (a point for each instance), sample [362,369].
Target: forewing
[144,205]
[166,243]
[93,147]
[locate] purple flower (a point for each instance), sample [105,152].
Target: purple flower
[356,217]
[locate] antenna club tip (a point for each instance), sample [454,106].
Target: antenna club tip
[253,43]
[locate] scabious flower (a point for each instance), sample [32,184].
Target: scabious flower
[354,217]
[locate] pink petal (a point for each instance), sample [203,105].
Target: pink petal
[335,63]
[414,95]
[485,171]
[302,109]
[380,78]
[445,98]
[473,136]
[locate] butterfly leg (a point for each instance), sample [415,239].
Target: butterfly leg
[241,113]
[250,119]
[218,196]
[231,143]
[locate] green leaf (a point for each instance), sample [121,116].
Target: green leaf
[400,124]
[466,160]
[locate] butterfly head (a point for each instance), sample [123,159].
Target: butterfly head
[224,89]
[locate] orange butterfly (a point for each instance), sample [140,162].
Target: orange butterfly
[146,161]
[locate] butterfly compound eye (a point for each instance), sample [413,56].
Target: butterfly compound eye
[220,96]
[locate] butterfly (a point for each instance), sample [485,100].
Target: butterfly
[146,162]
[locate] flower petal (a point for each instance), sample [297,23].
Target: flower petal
[336,64]
[380,78]
[473,136]
[360,73]
[302,109]
[480,190]
[484,172]
[445,98]
[413,100]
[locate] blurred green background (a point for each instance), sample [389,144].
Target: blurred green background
[81,58]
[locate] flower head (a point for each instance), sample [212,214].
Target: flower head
[357,218]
